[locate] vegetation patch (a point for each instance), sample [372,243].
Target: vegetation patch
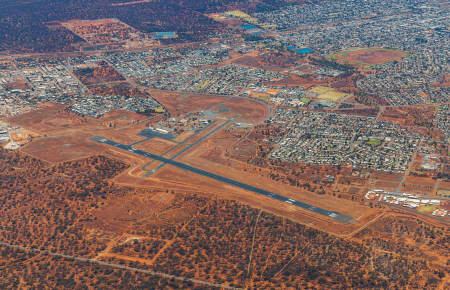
[374,142]
[426,208]
[305,100]
[326,93]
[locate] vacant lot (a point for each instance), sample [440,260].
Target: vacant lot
[368,56]
[63,148]
[155,145]
[177,104]
[327,93]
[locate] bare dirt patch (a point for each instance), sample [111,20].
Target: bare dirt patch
[156,146]
[178,104]
[420,117]
[63,148]
[18,84]
[48,118]
[369,56]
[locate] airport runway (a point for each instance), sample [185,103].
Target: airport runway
[192,145]
[331,214]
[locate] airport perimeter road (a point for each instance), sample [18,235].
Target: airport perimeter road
[117,266]
[203,138]
[331,214]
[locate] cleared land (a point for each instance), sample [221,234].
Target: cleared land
[327,93]
[177,104]
[63,148]
[368,56]
[155,145]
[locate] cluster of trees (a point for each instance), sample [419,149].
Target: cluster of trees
[50,208]
[332,64]
[217,245]
[211,6]
[412,116]
[121,89]
[280,58]
[142,248]
[23,26]
[29,270]
[369,100]
[367,112]
[386,234]
[98,74]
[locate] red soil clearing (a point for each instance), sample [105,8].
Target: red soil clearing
[370,56]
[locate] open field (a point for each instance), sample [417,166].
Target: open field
[420,117]
[155,145]
[99,31]
[60,135]
[178,104]
[368,56]
[295,81]
[326,93]
[248,61]
[18,84]
[63,148]
[386,185]
[125,135]
[184,136]
[279,61]
[242,15]
[444,192]
[444,82]
[386,176]
[426,208]
[419,184]
[120,118]
[49,117]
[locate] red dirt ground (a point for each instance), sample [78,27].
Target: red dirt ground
[48,118]
[155,145]
[177,104]
[63,148]
[370,56]
[306,82]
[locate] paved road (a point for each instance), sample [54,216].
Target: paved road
[184,142]
[331,214]
[86,260]
[411,162]
[192,145]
